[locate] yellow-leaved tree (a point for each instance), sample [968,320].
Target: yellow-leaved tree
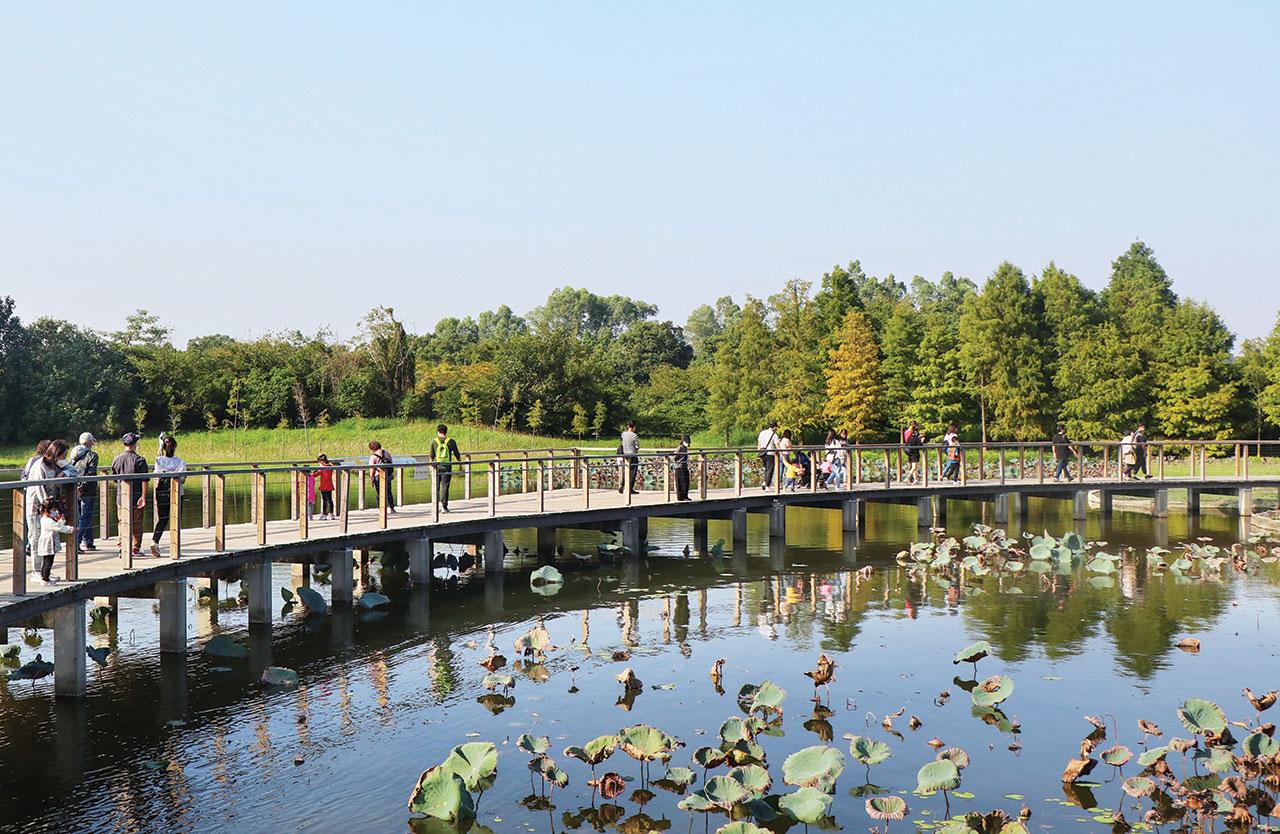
[853,378]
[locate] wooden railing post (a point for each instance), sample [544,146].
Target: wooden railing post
[582,478]
[666,477]
[71,553]
[899,464]
[1161,461]
[220,512]
[304,518]
[383,487]
[813,472]
[1106,465]
[1080,463]
[1040,460]
[175,518]
[466,477]
[524,474]
[702,476]
[435,492]
[124,500]
[206,499]
[295,499]
[1001,466]
[857,471]
[964,466]
[626,479]
[1204,461]
[20,541]
[1022,462]
[344,498]
[260,499]
[542,495]
[982,461]
[1246,462]
[924,466]
[104,510]
[360,502]
[737,474]
[494,486]
[888,471]
[400,484]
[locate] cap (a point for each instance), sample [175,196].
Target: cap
[773,424]
[86,438]
[130,438]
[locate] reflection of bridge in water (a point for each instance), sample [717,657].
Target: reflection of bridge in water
[550,493]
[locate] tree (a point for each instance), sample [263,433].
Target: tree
[1101,385]
[600,418]
[1069,308]
[1269,399]
[900,349]
[853,378]
[385,345]
[15,372]
[535,417]
[1138,297]
[581,423]
[707,324]
[941,396]
[797,392]
[740,393]
[647,345]
[1001,356]
[675,400]
[583,314]
[839,294]
[1196,388]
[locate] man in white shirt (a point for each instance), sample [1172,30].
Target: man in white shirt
[767,442]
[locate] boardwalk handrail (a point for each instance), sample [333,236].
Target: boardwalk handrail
[592,468]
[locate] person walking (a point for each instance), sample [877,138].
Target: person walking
[835,446]
[85,460]
[443,450]
[951,440]
[166,461]
[1128,458]
[380,463]
[1061,454]
[46,467]
[129,462]
[767,443]
[680,466]
[631,456]
[1140,451]
[324,484]
[913,439]
[52,524]
[790,463]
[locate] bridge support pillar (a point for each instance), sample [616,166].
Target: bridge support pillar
[494,548]
[1001,515]
[632,537]
[1106,503]
[546,545]
[778,520]
[853,515]
[342,577]
[1080,504]
[739,521]
[1246,502]
[1193,501]
[849,547]
[172,596]
[924,511]
[1011,508]
[68,650]
[420,555]
[257,582]
[1160,508]
[1160,531]
[700,535]
[777,554]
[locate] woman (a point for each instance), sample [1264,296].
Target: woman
[1128,457]
[380,463]
[913,440]
[790,462]
[325,484]
[952,441]
[166,461]
[835,460]
[49,465]
[680,465]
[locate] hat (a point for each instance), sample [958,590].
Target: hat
[130,438]
[86,438]
[773,424]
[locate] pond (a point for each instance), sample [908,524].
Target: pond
[198,744]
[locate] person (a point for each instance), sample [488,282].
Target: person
[834,463]
[952,442]
[1140,451]
[324,481]
[680,465]
[85,460]
[630,447]
[767,442]
[791,471]
[913,439]
[166,461]
[1061,453]
[1128,458]
[47,466]
[129,462]
[443,449]
[40,447]
[52,523]
[380,463]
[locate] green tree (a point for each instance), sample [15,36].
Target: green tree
[853,378]
[674,402]
[1101,384]
[1269,399]
[900,349]
[647,345]
[740,392]
[583,314]
[1070,308]
[800,358]
[536,417]
[600,419]
[1138,297]
[1197,386]
[581,422]
[1254,379]
[941,395]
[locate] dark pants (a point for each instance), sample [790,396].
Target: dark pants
[444,480]
[632,462]
[162,512]
[952,472]
[326,502]
[1141,465]
[769,462]
[379,481]
[84,523]
[1061,470]
[682,483]
[46,566]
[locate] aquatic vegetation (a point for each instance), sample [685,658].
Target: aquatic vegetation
[546,575]
[442,794]
[593,752]
[768,697]
[886,808]
[312,601]
[814,767]
[370,600]
[823,675]
[223,646]
[279,676]
[534,745]
[992,691]
[32,670]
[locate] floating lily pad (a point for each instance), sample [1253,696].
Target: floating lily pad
[806,805]
[369,600]
[595,751]
[867,751]
[312,601]
[753,777]
[1202,717]
[224,646]
[994,690]
[814,767]
[973,653]
[938,776]
[646,743]
[546,575]
[442,794]
[279,676]
[768,697]
[1260,744]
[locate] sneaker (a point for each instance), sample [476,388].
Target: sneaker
[138,554]
[155,551]
[444,509]
[90,547]
[54,579]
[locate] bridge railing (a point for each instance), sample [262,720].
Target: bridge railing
[522,479]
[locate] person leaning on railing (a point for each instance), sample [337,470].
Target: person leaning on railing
[380,463]
[680,467]
[129,462]
[629,448]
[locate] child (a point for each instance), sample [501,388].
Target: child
[51,524]
[325,483]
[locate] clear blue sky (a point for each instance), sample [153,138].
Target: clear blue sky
[244,167]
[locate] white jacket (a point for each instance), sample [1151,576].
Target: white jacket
[50,527]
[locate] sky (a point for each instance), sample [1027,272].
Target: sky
[248,167]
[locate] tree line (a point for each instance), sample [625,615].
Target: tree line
[1003,361]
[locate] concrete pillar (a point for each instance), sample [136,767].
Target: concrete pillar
[738,519]
[778,520]
[342,626]
[631,537]
[172,596]
[777,554]
[700,535]
[924,512]
[68,650]
[1193,501]
[853,515]
[493,551]
[1246,501]
[740,558]
[547,544]
[420,555]
[257,581]
[1080,504]
[1161,504]
[1106,502]
[342,577]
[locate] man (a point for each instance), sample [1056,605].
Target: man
[129,462]
[680,466]
[1061,453]
[444,448]
[1140,451]
[767,442]
[85,460]
[631,455]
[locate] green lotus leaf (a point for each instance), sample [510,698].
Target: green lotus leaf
[741,827]
[646,743]
[1219,760]
[286,594]
[938,776]
[744,752]
[682,776]
[1099,565]
[1072,541]
[723,792]
[974,653]
[595,751]
[1014,565]
[279,676]
[1041,552]
[442,794]
[1149,757]
[746,693]
[708,757]
[806,805]
[534,745]
[546,575]
[768,697]
[735,729]
[753,777]
[696,801]
[886,807]
[369,601]
[764,810]
[224,646]
[534,641]
[312,601]
[970,562]
[473,762]
[814,767]
[1202,717]
[1117,755]
[1260,744]
[1139,786]
[492,682]
[955,755]
[867,751]
[994,690]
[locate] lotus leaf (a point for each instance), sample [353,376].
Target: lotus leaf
[708,757]
[954,755]
[534,745]
[768,697]
[1260,744]
[476,763]
[1072,541]
[534,641]
[279,676]
[814,767]
[753,777]
[369,600]
[1041,552]
[806,805]
[442,794]
[741,827]
[938,776]
[970,562]
[682,776]
[10,650]
[745,694]
[1150,757]
[886,807]
[735,729]
[744,752]
[492,682]
[696,801]
[646,743]
[224,646]
[1117,755]
[547,768]
[1099,565]
[973,653]
[1014,565]
[312,601]
[723,792]
[286,594]
[546,575]
[994,690]
[1219,760]
[595,751]
[867,751]
[1202,717]
[1139,786]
